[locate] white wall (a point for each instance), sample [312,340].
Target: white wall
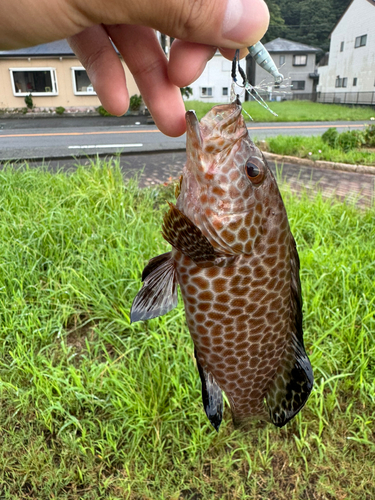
[353,62]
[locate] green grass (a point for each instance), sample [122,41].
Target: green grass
[314,148]
[293,111]
[93,407]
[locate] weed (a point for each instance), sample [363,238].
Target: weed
[135,102]
[29,101]
[102,111]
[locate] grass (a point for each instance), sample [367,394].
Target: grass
[95,408]
[293,111]
[315,148]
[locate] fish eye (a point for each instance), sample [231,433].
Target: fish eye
[254,169]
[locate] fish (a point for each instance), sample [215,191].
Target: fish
[236,263]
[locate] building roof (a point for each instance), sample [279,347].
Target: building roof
[283,45]
[372,2]
[59,48]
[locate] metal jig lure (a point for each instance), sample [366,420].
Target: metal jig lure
[265,61]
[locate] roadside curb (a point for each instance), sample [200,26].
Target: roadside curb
[329,165]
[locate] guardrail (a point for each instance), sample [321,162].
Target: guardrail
[360,98]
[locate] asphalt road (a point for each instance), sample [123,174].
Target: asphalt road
[53,138]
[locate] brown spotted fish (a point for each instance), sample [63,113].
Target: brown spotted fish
[237,265]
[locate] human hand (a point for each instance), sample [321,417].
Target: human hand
[198,26]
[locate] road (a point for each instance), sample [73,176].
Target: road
[52,139]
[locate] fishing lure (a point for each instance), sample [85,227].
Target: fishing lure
[246,84]
[265,61]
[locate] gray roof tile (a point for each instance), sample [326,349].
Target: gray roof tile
[59,48]
[283,45]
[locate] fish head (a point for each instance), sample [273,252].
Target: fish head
[228,190]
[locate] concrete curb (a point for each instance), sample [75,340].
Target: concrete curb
[329,165]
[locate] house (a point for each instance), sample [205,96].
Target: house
[214,84]
[296,61]
[52,74]
[350,71]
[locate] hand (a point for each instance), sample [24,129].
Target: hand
[199,26]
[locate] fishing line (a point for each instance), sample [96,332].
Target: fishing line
[246,85]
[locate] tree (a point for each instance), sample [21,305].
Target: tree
[317,21]
[277,25]
[305,21]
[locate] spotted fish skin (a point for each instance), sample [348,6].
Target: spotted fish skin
[237,265]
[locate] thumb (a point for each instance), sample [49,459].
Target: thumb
[221,23]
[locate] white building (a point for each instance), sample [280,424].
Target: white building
[214,83]
[351,62]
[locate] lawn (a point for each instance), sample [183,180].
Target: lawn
[293,111]
[95,408]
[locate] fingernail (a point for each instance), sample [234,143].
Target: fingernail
[245,21]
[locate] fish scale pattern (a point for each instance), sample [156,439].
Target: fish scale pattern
[238,317]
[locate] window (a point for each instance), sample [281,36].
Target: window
[298,85]
[282,60]
[38,81]
[342,47]
[360,41]
[354,82]
[341,82]
[81,82]
[206,91]
[300,60]
[225,90]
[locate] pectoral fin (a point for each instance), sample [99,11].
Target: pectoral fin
[186,237]
[158,294]
[212,397]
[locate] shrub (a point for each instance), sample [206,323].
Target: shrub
[103,111]
[330,137]
[135,102]
[351,140]
[369,136]
[29,101]
[60,110]
[186,92]
[346,141]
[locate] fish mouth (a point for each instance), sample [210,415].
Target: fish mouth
[219,129]
[193,134]
[222,120]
